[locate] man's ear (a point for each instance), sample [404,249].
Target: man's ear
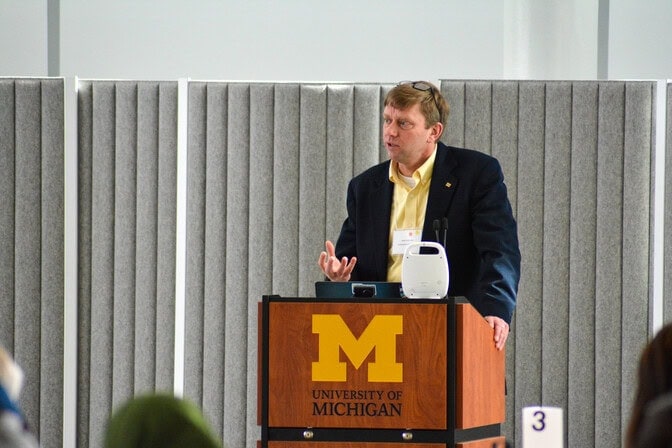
[437,130]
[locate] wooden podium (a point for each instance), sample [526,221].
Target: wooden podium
[373,373]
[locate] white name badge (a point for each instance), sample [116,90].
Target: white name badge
[543,426]
[402,238]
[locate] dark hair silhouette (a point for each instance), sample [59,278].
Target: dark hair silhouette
[655,379]
[656,428]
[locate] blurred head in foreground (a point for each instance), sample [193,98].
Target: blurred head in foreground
[11,375]
[159,421]
[14,431]
[654,380]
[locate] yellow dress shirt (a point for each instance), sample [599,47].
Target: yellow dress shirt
[409,202]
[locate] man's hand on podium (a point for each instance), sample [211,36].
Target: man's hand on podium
[501,330]
[335,270]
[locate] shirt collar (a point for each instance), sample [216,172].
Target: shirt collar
[421,175]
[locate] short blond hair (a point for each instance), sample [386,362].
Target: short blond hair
[433,105]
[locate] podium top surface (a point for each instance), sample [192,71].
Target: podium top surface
[445,300]
[347,290]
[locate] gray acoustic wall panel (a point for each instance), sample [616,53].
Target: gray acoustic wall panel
[31,245]
[577,162]
[268,166]
[667,296]
[127,218]
[582,227]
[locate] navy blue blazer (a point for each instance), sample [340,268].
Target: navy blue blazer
[468,188]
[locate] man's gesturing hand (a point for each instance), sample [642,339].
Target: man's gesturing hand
[336,270]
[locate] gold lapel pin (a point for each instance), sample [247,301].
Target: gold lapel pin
[448,185]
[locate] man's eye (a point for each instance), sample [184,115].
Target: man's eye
[404,124]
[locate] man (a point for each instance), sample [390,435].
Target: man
[425,181]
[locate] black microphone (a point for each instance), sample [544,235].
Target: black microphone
[437,225]
[445,230]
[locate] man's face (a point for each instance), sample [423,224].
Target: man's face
[407,140]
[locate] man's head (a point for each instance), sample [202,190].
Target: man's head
[433,105]
[413,121]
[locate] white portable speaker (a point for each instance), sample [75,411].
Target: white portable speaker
[424,271]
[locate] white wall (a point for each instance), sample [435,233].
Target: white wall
[348,40]
[345,40]
[23,37]
[640,39]
[548,39]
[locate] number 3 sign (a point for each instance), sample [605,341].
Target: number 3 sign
[542,427]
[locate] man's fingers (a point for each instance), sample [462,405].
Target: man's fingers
[501,334]
[331,266]
[346,267]
[321,260]
[502,340]
[334,268]
[342,268]
[338,266]
[501,330]
[351,265]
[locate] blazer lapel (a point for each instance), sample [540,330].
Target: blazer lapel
[381,205]
[441,189]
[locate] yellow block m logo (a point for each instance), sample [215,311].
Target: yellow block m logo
[379,334]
